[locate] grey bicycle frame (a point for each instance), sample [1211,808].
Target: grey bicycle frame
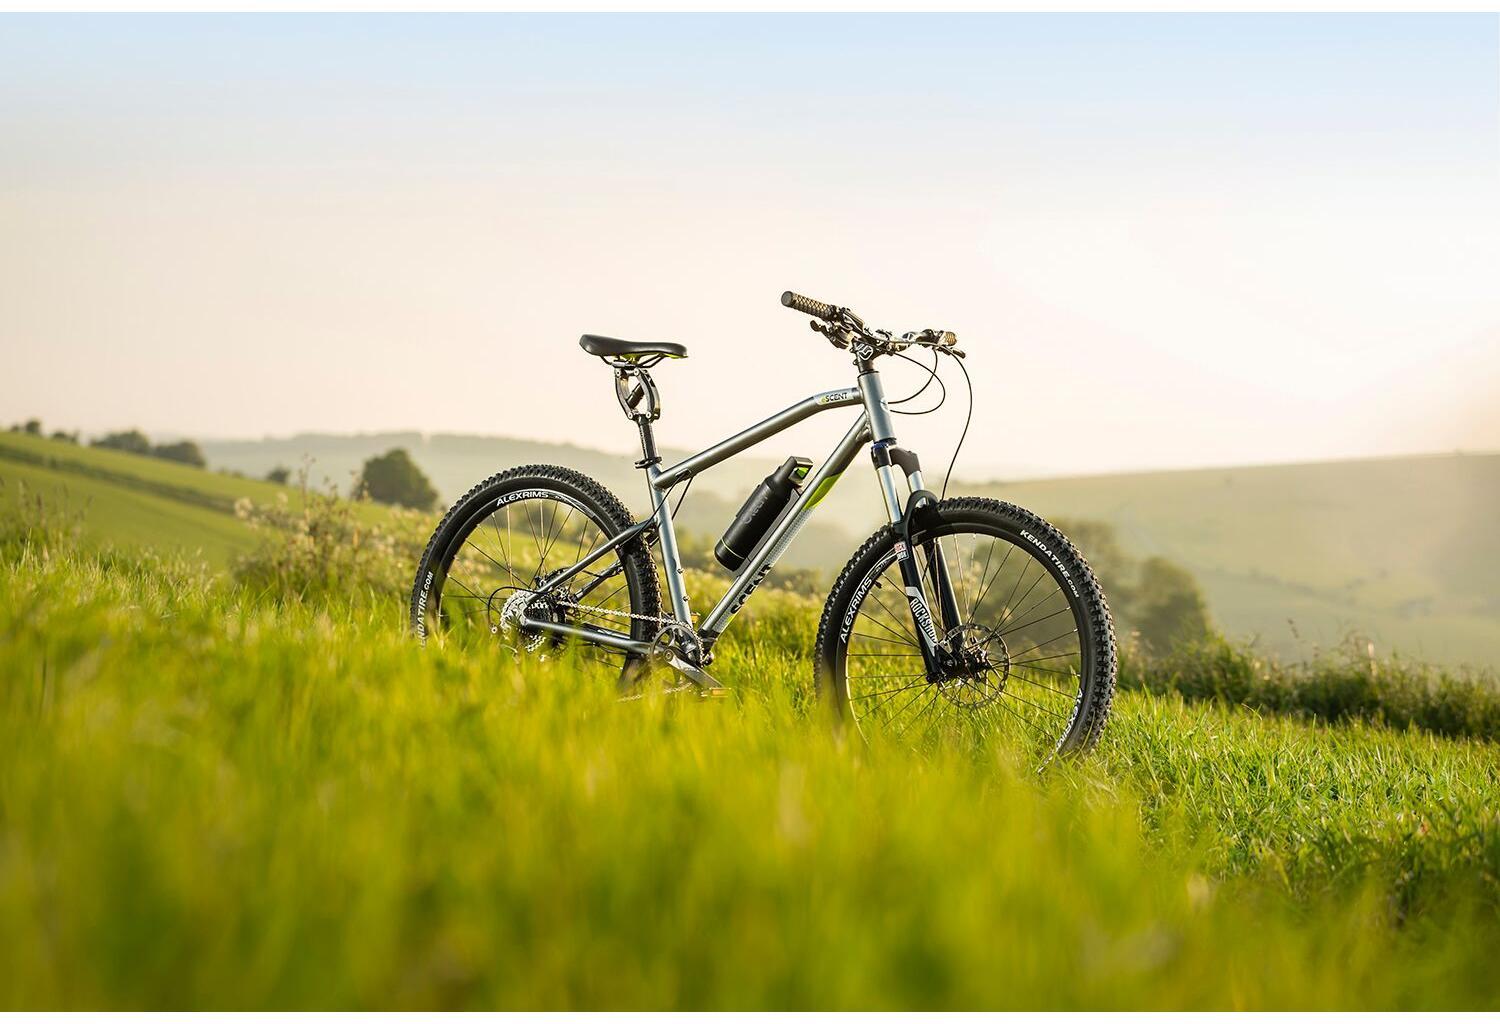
[872,426]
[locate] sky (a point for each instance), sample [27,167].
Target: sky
[1164,241]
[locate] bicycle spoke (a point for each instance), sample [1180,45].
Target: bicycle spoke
[502,568]
[1033,622]
[1004,607]
[1044,686]
[1023,700]
[1008,611]
[894,618]
[1009,550]
[1053,657]
[881,640]
[1038,647]
[894,689]
[922,711]
[891,696]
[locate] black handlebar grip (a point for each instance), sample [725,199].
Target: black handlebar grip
[812,307]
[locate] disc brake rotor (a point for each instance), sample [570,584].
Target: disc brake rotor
[983,666]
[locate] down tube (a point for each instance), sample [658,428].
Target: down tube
[775,542]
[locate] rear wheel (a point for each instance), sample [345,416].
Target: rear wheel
[1032,640]
[504,539]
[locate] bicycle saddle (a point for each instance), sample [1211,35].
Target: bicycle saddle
[598,345]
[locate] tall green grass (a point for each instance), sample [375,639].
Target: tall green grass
[212,796]
[1345,684]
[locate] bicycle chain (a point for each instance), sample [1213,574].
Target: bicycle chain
[659,620]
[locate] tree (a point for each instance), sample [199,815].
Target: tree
[124,441]
[1156,599]
[34,426]
[1168,606]
[63,435]
[279,475]
[394,479]
[186,452]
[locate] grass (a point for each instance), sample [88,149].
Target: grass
[213,796]
[1342,685]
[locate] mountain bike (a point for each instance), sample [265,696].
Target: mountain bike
[960,614]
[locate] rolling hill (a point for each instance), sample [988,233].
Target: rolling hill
[137,501]
[1399,550]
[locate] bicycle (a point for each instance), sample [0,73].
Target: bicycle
[910,643]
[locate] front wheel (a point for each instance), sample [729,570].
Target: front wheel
[1031,641]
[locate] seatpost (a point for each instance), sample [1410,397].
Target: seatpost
[649,455]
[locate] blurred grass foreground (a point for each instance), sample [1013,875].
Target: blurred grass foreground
[254,791]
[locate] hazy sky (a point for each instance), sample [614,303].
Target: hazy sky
[1164,241]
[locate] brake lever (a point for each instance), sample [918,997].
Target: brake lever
[943,341]
[839,335]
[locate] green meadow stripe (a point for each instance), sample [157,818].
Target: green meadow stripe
[186,495]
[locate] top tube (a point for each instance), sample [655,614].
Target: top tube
[769,427]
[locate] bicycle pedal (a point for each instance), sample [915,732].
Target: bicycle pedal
[714,692]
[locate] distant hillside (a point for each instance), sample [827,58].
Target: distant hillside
[1402,550]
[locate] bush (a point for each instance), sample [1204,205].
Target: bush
[323,549]
[394,479]
[1155,600]
[186,452]
[279,475]
[125,441]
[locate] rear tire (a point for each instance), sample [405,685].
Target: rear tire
[1060,687]
[514,530]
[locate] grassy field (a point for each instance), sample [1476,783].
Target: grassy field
[214,795]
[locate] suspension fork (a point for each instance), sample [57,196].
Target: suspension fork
[887,458]
[936,656]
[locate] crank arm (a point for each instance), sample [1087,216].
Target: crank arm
[707,685]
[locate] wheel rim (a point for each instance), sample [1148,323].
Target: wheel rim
[1022,634]
[505,551]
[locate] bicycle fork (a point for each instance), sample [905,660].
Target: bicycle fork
[888,457]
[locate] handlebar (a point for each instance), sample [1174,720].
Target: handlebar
[844,329]
[812,307]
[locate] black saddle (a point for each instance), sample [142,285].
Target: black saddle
[598,345]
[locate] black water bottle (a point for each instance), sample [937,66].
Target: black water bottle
[760,512]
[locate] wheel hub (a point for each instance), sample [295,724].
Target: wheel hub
[978,666]
[529,604]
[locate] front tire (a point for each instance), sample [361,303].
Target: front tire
[1034,625]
